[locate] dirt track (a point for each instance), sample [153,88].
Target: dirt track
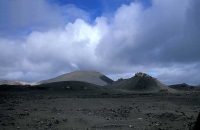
[57,111]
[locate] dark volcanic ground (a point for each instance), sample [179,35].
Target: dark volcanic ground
[58,110]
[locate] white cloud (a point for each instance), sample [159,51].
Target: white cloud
[77,41]
[135,39]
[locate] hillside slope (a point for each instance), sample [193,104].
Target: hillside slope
[92,77]
[141,82]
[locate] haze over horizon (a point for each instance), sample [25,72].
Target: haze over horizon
[42,39]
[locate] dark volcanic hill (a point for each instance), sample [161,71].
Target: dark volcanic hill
[92,77]
[141,82]
[71,86]
[184,87]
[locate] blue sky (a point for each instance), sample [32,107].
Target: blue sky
[41,39]
[99,7]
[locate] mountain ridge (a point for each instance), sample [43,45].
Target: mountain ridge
[13,82]
[89,76]
[140,82]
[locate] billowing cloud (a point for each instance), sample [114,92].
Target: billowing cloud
[162,40]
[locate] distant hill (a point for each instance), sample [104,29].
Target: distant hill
[141,82]
[184,87]
[10,82]
[69,87]
[92,77]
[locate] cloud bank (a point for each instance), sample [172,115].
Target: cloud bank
[162,40]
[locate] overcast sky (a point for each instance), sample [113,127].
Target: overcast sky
[41,39]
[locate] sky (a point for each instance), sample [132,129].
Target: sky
[41,39]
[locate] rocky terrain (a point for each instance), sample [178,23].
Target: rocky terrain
[44,109]
[139,103]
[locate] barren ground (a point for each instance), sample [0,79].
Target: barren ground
[58,111]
